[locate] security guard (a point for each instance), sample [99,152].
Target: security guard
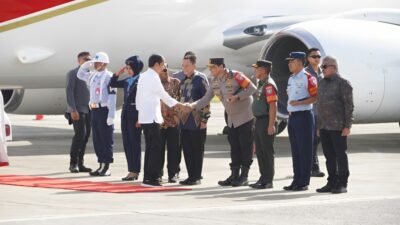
[102,103]
[235,91]
[302,93]
[264,110]
[314,58]
[131,130]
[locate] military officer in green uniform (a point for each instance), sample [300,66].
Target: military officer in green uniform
[235,91]
[264,110]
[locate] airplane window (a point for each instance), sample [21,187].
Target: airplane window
[258,30]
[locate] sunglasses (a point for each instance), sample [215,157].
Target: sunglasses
[325,66]
[315,56]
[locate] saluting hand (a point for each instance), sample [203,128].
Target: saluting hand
[120,71]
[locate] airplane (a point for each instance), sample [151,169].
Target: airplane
[39,41]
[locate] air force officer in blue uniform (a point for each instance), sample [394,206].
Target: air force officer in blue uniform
[131,130]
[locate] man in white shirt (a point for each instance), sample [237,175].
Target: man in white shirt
[149,93]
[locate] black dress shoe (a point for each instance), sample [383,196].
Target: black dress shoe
[84,169]
[289,188]
[261,185]
[73,169]
[105,171]
[131,176]
[300,188]
[154,183]
[97,172]
[325,189]
[317,173]
[339,189]
[190,181]
[173,179]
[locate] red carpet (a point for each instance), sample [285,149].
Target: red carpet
[44,182]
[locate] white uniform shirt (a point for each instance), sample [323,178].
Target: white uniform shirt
[149,93]
[298,89]
[98,87]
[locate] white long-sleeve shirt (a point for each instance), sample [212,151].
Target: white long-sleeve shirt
[100,92]
[149,93]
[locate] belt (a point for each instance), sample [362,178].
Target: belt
[261,117]
[97,105]
[298,112]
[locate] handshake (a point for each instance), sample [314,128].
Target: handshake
[184,107]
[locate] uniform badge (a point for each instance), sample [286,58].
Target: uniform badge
[269,90]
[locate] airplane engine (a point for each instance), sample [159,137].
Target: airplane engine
[50,101]
[368,59]
[35,101]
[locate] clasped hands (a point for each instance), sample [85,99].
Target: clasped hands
[184,107]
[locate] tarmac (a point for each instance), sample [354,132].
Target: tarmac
[41,148]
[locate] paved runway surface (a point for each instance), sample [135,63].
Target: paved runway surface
[41,148]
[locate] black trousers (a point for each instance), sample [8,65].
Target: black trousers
[131,138]
[170,142]
[334,146]
[193,150]
[152,155]
[316,140]
[81,136]
[241,143]
[264,149]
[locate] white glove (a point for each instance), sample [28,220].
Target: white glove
[110,121]
[87,65]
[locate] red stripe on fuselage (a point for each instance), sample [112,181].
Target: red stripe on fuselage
[11,9]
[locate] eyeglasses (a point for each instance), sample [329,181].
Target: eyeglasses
[315,56]
[325,66]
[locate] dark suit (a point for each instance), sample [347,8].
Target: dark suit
[131,136]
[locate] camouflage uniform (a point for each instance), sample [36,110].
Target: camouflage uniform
[266,94]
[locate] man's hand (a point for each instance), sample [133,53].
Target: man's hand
[233,99]
[345,131]
[318,135]
[110,121]
[120,71]
[203,125]
[294,103]
[271,130]
[137,125]
[75,116]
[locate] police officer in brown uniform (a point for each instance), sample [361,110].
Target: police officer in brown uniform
[235,91]
[264,110]
[335,117]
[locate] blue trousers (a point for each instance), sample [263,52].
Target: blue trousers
[131,138]
[301,128]
[103,135]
